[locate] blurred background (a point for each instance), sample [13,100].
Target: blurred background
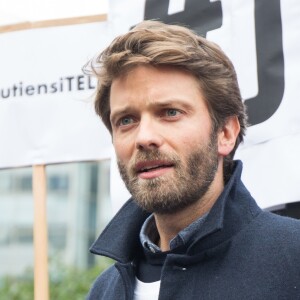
[78,193]
[78,207]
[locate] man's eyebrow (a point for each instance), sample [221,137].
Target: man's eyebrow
[169,103]
[120,112]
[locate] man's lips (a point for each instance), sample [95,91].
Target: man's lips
[151,166]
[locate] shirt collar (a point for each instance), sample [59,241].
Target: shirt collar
[149,234]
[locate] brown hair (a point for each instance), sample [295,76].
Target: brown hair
[159,44]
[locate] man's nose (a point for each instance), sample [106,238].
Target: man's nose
[148,135]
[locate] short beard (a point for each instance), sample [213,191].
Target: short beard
[170,194]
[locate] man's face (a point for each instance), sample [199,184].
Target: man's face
[162,133]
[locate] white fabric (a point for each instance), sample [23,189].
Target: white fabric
[146,291]
[59,124]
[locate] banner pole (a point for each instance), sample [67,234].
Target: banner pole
[40,234]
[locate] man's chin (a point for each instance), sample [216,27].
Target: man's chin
[160,208]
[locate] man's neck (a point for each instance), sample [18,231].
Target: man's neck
[169,225]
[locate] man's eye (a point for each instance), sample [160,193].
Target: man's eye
[172,112]
[125,121]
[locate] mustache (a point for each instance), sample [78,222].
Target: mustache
[151,155]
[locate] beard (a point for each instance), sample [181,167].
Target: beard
[169,193]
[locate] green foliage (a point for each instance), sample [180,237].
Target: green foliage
[65,282]
[15,288]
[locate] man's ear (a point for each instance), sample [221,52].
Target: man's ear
[228,135]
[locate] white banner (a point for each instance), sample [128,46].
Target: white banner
[46,103]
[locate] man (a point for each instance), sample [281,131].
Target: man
[172,104]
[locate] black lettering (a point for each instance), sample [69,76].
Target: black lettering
[70,79]
[270,62]
[29,90]
[7,93]
[80,82]
[14,90]
[91,87]
[42,86]
[61,85]
[53,87]
[202,16]
[21,88]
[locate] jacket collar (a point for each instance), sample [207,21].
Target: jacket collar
[120,239]
[233,209]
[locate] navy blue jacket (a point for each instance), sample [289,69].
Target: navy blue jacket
[241,252]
